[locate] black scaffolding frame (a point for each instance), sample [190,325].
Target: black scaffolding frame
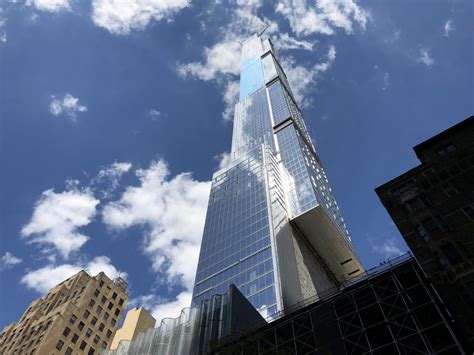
[394,310]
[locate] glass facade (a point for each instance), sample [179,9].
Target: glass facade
[276,175]
[236,248]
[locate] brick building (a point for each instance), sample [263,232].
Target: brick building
[433,208]
[78,316]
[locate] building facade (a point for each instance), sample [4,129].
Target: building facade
[137,321]
[433,208]
[273,226]
[393,309]
[78,316]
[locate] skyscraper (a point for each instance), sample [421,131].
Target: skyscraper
[273,226]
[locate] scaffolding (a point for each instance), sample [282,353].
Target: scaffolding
[393,309]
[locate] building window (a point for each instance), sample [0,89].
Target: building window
[404,189]
[83,345]
[117,312]
[428,173]
[101,327]
[91,303]
[101,283]
[68,351]
[96,293]
[59,344]
[121,302]
[106,316]
[88,332]
[415,204]
[422,232]
[91,351]
[81,326]
[113,322]
[446,149]
[451,253]
[72,319]
[104,345]
[114,295]
[66,332]
[109,333]
[96,339]
[103,299]
[86,314]
[94,321]
[431,226]
[74,339]
[469,211]
[110,306]
[449,190]
[99,309]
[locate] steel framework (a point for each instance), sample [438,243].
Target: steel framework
[393,311]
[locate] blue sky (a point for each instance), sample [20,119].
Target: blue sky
[114,117]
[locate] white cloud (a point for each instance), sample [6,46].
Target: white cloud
[57,218]
[161,308]
[172,309]
[34,17]
[121,17]
[425,57]
[103,263]
[448,28]
[49,276]
[224,160]
[50,5]
[68,106]
[43,279]
[146,301]
[223,64]
[222,60]
[388,248]
[154,114]
[111,176]
[393,38]
[284,42]
[172,210]
[3,21]
[302,79]
[8,260]
[322,17]
[386,81]
[114,171]
[231,95]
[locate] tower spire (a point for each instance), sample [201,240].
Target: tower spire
[262,31]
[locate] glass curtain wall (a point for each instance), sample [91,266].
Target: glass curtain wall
[275,175]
